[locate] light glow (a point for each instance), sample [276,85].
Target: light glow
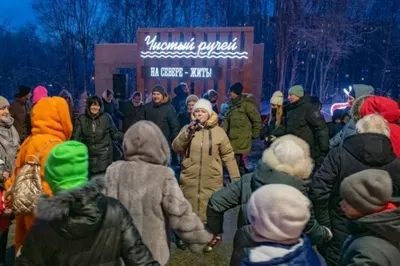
[189,49]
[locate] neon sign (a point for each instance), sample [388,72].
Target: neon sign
[189,49]
[181,72]
[341,106]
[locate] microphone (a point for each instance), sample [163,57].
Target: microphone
[193,125]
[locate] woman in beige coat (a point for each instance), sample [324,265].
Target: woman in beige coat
[205,147]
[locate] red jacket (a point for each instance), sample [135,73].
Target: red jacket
[389,109]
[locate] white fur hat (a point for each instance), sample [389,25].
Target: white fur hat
[278,213]
[203,104]
[277,98]
[291,155]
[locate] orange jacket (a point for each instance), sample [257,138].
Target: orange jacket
[50,121]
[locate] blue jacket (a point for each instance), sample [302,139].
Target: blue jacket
[300,254]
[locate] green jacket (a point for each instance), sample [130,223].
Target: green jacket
[374,240]
[242,123]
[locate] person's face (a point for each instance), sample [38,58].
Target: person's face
[213,98]
[27,97]
[185,89]
[190,106]
[95,108]
[346,119]
[4,113]
[293,98]
[350,100]
[202,115]
[137,99]
[349,211]
[110,97]
[157,97]
[232,95]
[338,121]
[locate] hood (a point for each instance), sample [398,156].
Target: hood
[104,95]
[75,213]
[211,122]
[386,107]
[384,224]
[264,174]
[144,142]
[372,149]
[244,97]
[66,94]
[51,116]
[300,170]
[179,91]
[84,96]
[355,111]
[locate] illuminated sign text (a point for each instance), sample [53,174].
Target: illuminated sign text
[181,72]
[189,49]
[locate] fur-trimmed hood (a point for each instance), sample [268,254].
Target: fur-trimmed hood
[355,111]
[77,212]
[301,170]
[211,122]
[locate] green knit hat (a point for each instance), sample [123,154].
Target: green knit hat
[67,166]
[297,90]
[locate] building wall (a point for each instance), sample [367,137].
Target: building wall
[110,57]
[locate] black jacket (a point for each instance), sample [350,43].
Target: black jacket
[97,133]
[179,100]
[130,113]
[111,109]
[184,118]
[83,227]
[303,120]
[164,116]
[374,240]
[359,152]
[239,192]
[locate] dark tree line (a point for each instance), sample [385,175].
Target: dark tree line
[324,45]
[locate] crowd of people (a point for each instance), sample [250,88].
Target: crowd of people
[97,183]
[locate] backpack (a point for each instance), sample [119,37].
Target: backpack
[27,186]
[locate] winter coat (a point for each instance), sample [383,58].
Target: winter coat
[389,110]
[334,128]
[83,227]
[242,123]
[9,146]
[158,205]
[204,154]
[51,125]
[180,99]
[374,240]
[97,133]
[359,152]
[239,192]
[130,113]
[303,120]
[350,128]
[163,115]
[184,118]
[19,111]
[300,254]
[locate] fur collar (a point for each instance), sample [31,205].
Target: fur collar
[58,206]
[301,170]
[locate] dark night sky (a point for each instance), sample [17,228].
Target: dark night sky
[17,11]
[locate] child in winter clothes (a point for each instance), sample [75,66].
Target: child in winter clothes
[148,188]
[79,225]
[375,232]
[288,162]
[278,214]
